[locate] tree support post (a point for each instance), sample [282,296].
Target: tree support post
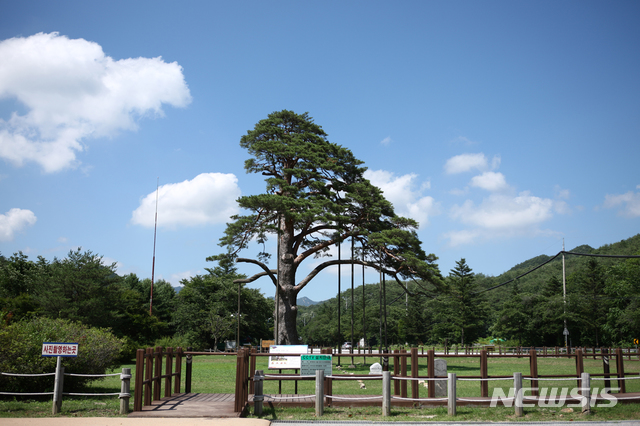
[125,389]
[57,387]
[451,394]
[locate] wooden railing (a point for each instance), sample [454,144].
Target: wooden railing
[246,368]
[149,376]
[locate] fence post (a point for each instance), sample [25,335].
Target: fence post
[484,374]
[586,393]
[386,392]
[258,396]
[187,379]
[579,364]
[176,387]
[605,368]
[157,382]
[403,373]
[125,388]
[396,372]
[414,373]
[620,371]
[518,394]
[239,370]
[533,370]
[319,393]
[57,387]
[451,393]
[431,373]
[137,393]
[252,370]
[148,374]
[168,372]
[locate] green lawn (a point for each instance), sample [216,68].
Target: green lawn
[216,374]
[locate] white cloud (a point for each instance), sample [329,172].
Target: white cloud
[73,92]
[490,181]
[501,216]
[15,220]
[630,203]
[468,162]
[504,212]
[175,279]
[400,191]
[209,198]
[386,141]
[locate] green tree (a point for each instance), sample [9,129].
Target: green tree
[588,303]
[206,303]
[316,196]
[461,310]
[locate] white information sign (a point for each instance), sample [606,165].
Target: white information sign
[281,361]
[60,349]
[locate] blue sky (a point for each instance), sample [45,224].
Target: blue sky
[502,127]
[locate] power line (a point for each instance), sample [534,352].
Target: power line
[551,259]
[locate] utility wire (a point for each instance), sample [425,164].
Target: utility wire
[551,259]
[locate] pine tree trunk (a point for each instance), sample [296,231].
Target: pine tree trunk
[288,310]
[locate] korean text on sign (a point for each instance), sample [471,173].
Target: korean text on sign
[59,349]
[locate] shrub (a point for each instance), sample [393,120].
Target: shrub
[21,352]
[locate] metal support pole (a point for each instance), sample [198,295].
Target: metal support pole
[125,389]
[319,393]
[57,387]
[386,393]
[451,394]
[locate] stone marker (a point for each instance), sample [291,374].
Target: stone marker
[440,370]
[375,368]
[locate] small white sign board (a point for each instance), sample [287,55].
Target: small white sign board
[375,369]
[60,349]
[310,363]
[281,361]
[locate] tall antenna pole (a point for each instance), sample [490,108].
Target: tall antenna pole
[564,299]
[153,265]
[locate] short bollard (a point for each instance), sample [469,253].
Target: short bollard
[518,394]
[258,395]
[585,384]
[125,389]
[451,388]
[386,393]
[319,393]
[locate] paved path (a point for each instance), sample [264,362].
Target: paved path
[128,421]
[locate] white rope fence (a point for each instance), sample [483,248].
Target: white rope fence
[124,395]
[515,398]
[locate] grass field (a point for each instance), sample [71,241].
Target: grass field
[216,374]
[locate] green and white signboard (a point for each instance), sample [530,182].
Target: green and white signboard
[310,363]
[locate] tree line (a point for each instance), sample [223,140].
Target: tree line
[601,307]
[82,288]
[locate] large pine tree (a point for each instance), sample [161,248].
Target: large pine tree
[316,196]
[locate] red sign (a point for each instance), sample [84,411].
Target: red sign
[59,349]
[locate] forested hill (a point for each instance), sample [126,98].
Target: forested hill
[602,301]
[532,282]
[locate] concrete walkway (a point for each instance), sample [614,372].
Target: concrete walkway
[126,421]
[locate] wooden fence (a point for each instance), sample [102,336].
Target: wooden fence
[149,374]
[246,368]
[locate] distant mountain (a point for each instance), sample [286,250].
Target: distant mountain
[302,301]
[305,301]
